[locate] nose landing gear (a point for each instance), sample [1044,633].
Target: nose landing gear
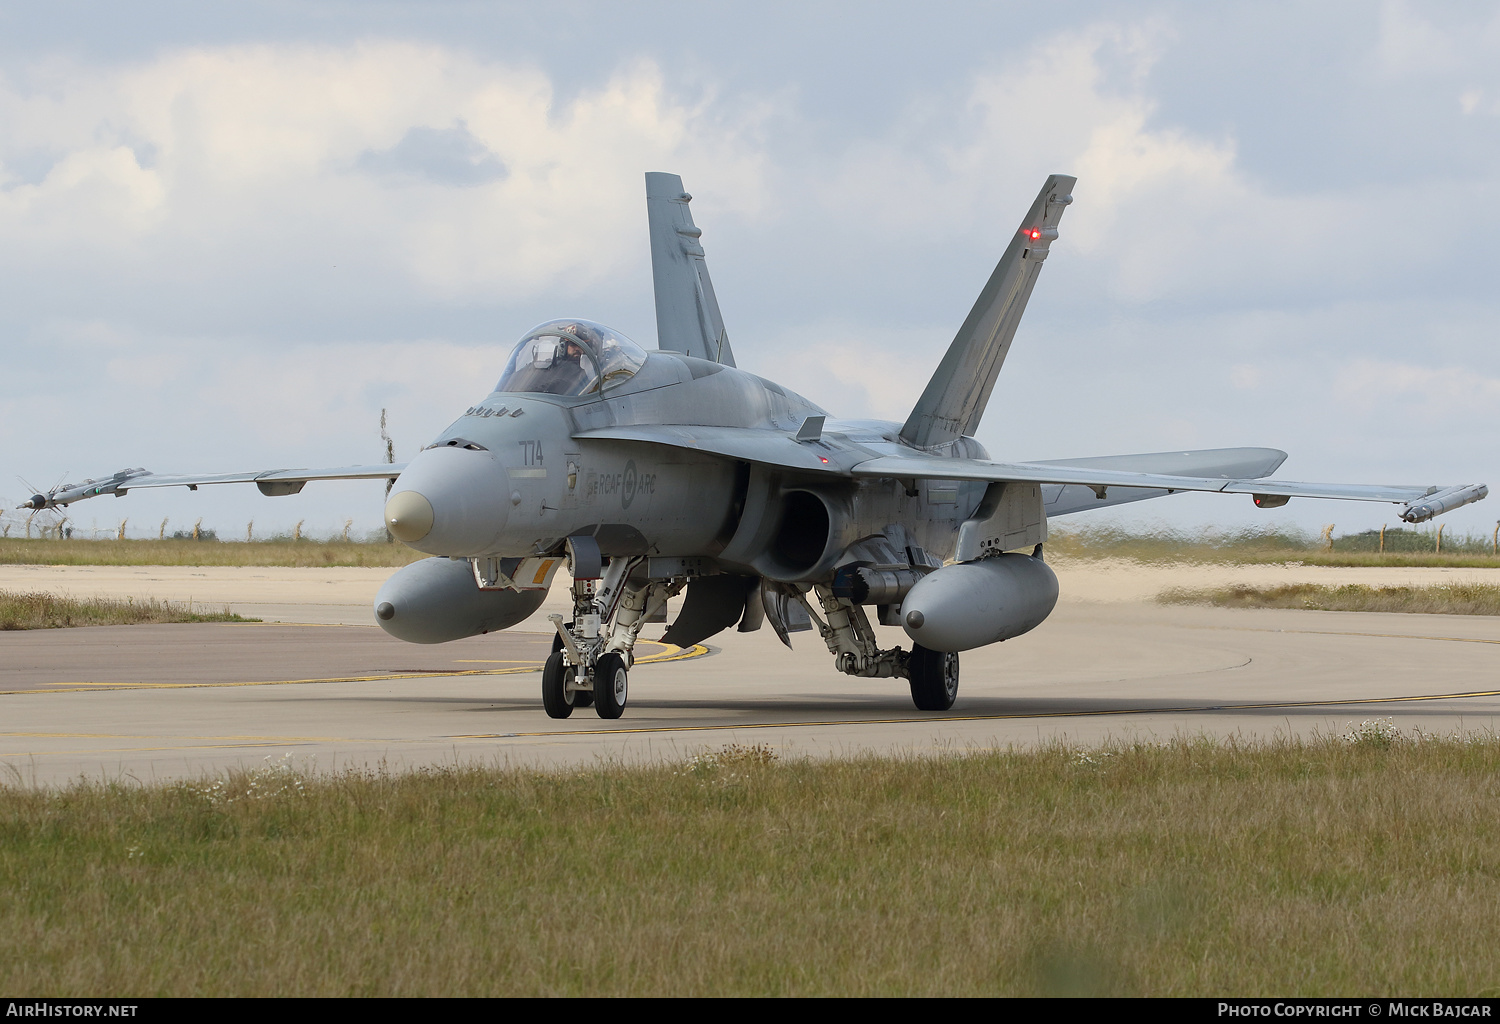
[556,697]
[611,680]
[592,655]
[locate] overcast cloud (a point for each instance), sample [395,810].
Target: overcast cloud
[228,239]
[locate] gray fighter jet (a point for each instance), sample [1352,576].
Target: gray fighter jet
[647,472]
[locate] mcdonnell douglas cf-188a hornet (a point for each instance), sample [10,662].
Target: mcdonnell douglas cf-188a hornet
[650,472]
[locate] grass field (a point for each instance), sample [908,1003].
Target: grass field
[276,551]
[1414,547]
[1403,547]
[1364,863]
[1443,598]
[47,611]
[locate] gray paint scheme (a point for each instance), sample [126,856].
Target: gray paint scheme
[691,469]
[434,601]
[956,396]
[272,482]
[689,396]
[687,311]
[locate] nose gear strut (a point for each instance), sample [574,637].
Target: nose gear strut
[596,650]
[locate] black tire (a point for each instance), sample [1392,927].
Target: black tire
[611,686]
[581,698]
[934,678]
[554,687]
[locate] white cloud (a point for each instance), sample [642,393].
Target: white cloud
[1440,396]
[231,154]
[192,245]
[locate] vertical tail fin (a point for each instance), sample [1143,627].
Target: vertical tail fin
[958,392]
[687,313]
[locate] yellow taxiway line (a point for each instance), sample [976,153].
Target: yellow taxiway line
[270,741]
[1271,706]
[668,653]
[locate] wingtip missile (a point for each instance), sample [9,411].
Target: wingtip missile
[1435,504]
[65,494]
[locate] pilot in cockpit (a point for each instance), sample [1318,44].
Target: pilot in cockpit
[562,357]
[573,370]
[571,351]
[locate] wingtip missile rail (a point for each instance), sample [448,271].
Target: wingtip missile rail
[1440,501]
[66,494]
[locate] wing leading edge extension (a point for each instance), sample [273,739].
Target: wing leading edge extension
[270,482]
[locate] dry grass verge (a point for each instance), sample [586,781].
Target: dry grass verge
[1402,547]
[48,611]
[301,553]
[1362,863]
[1442,598]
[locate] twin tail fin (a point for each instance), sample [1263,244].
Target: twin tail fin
[960,389]
[687,311]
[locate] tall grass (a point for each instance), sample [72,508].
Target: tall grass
[1442,599]
[278,550]
[48,611]
[1359,863]
[1411,547]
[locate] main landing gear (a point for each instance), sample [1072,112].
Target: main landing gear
[847,632]
[934,678]
[592,655]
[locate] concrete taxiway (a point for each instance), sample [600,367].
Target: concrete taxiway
[159,702]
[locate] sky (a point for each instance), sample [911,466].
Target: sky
[230,235]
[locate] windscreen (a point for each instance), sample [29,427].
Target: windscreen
[570,357]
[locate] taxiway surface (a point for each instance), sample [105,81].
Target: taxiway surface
[158,702]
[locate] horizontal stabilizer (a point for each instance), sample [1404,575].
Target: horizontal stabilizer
[1227,463]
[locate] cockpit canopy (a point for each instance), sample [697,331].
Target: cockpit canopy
[570,357]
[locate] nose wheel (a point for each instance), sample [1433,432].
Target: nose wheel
[592,655]
[611,686]
[581,698]
[555,696]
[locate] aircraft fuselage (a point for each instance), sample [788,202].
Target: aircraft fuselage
[517,474]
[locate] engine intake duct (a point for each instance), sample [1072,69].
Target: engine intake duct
[865,584]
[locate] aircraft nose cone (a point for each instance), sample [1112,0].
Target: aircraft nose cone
[408,515]
[448,501]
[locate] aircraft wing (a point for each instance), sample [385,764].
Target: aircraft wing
[270,481]
[1236,470]
[1422,502]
